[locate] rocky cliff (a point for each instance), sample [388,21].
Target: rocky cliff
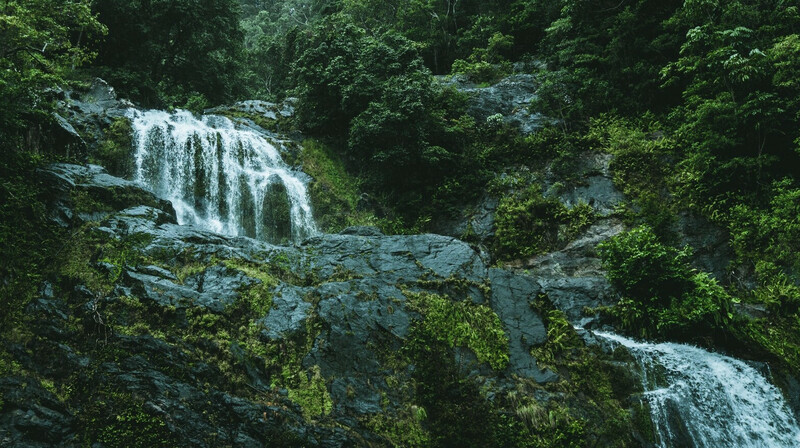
[150,333]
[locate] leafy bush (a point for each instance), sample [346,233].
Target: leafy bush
[486,65]
[661,294]
[529,223]
[463,324]
[114,152]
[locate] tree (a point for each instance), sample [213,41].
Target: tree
[41,41]
[605,56]
[371,93]
[162,52]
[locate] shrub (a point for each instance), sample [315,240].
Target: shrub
[529,223]
[661,294]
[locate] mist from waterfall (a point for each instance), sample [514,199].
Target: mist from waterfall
[220,178]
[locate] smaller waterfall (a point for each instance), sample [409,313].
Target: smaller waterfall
[220,178]
[703,399]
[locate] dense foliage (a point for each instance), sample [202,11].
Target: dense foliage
[663,295]
[40,42]
[171,52]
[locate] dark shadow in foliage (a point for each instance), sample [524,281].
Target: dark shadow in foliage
[165,52]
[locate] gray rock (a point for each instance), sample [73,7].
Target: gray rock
[473,224]
[509,98]
[288,314]
[711,249]
[597,191]
[512,296]
[256,107]
[32,416]
[218,286]
[348,289]
[591,183]
[104,192]
[67,139]
[574,295]
[572,277]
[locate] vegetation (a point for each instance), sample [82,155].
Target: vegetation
[696,102]
[662,295]
[462,324]
[529,223]
[165,53]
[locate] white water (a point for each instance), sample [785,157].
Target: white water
[218,177]
[703,399]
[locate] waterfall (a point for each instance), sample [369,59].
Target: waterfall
[220,178]
[703,399]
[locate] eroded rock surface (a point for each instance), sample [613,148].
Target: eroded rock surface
[310,343]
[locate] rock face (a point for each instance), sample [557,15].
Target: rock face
[266,109]
[572,277]
[509,98]
[312,344]
[91,111]
[88,193]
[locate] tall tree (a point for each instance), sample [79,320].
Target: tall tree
[164,51]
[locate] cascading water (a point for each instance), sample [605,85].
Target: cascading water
[220,178]
[703,399]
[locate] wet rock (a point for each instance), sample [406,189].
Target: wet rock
[474,224]
[288,314]
[362,231]
[573,278]
[512,296]
[90,112]
[218,287]
[32,416]
[398,259]
[67,140]
[597,191]
[344,295]
[509,98]
[264,109]
[79,194]
[710,244]
[276,225]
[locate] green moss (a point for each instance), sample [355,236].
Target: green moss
[640,167]
[115,150]
[462,324]
[83,202]
[777,338]
[133,427]
[453,285]
[589,405]
[334,192]
[77,265]
[185,270]
[310,392]
[342,274]
[402,429]
[643,423]
[277,266]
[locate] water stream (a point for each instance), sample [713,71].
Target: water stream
[220,178]
[703,399]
